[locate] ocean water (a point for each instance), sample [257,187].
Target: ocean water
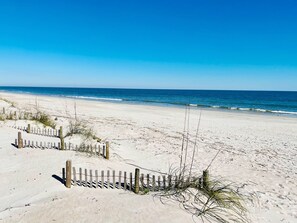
[277,102]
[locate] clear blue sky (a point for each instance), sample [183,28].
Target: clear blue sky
[199,44]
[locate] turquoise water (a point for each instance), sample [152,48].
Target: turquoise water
[277,102]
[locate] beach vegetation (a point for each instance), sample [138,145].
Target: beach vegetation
[2,118]
[205,197]
[44,119]
[81,127]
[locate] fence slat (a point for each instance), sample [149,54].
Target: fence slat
[74,176]
[107,179]
[125,180]
[102,179]
[91,179]
[120,180]
[164,182]
[148,181]
[86,178]
[154,183]
[141,181]
[131,180]
[96,178]
[103,151]
[159,182]
[169,181]
[80,177]
[113,179]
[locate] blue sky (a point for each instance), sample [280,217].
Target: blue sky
[195,44]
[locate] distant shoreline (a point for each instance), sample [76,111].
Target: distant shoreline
[175,100]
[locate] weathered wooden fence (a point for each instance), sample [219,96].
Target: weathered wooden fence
[108,179]
[98,149]
[39,131]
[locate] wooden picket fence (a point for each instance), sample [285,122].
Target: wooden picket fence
[39,131]
[98,149]
[108,179]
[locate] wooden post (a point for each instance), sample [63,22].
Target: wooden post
[3,111]
[61,132]
[29,128]
[61,138]
[20,140]
[62,144]
[136,183]
[99,150]
[206,179]
[68,174]
[107,150]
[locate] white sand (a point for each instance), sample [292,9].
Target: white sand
[257,150]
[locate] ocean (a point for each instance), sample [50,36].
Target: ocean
[274,102]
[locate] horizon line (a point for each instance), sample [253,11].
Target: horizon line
[127,88]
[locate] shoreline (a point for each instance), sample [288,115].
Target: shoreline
[166,105]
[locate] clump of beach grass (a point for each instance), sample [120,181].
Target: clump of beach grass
[81,127]
[44,119]
[2,118]
[210,199]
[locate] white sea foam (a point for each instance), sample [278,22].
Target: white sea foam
[96,98]
[284,112]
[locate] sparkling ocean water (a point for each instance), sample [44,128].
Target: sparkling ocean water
[277,102]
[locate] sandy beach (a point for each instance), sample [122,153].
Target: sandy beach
[257,151]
